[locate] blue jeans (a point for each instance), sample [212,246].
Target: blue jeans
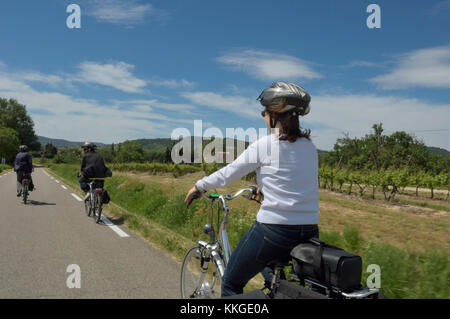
[262,244]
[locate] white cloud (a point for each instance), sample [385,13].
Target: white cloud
[173,83]
[356,114]
[428,68]
[117,75]
[156,104]
[63,116]
[119,11]
[363,64]
[243,106]
[39,77]
[269,66]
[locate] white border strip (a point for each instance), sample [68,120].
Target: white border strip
[76,197]
[115,228]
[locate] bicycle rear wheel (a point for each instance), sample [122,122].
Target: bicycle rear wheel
[98,208]
[88,207]
[25,193]
[200,277]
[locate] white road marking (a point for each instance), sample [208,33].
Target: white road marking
[115,228]
[63,186]
[56,181]
[76,197]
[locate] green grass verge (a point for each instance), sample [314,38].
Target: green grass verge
[4,167]
[163,218]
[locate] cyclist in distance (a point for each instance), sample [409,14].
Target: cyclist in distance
[23,166]
[289,212]
[92,166]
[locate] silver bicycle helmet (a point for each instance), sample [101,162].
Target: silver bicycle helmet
[23,148]
[296,97]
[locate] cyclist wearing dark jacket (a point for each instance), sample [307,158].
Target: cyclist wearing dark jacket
[92,166]
[23,166]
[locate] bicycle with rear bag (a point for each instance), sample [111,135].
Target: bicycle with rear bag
[97,197]
[315,270]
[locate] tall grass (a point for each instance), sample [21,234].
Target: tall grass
[403,274]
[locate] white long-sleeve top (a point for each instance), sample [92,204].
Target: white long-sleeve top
[288,181]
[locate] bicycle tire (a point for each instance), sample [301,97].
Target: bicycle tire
[191,275]
[94,206]
[98,206]
[88,207]
[25,193]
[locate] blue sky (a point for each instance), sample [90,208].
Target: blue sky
[139,69]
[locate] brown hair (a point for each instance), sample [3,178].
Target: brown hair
[290,124]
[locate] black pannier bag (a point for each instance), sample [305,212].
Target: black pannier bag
[108,172]
[328,265]
[105,199]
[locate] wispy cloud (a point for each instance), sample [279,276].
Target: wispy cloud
[124,12]
[243,106]
[442,8]
[362,64]
[117,75]
[64,116]
[33,76]
[421,68]
[264,65]
[173,84]
[356,113]
[156,104]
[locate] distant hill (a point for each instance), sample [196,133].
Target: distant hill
[437,150]
[155,144]
[160,144]
[61,143]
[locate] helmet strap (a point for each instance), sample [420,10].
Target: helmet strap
[273,120]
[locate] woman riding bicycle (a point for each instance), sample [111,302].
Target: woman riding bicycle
[289,213]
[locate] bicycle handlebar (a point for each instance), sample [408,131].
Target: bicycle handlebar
[213,196]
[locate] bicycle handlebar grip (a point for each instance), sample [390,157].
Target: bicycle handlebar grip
[195,196]
[254,190]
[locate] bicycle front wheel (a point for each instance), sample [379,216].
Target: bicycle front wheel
[200,277]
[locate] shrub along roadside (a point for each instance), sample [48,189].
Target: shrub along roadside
[149,210]
[4,167]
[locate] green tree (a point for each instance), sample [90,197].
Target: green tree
[9,144]
[130,151]
[14,115]
[50,151]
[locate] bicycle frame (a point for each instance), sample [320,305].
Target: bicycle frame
[222,243]
[94,193]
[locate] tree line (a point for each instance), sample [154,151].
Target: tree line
[16,128]
[377,152]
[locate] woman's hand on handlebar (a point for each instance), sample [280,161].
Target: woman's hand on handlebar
[191,195]
[259,196]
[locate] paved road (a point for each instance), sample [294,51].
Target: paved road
[38,242]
